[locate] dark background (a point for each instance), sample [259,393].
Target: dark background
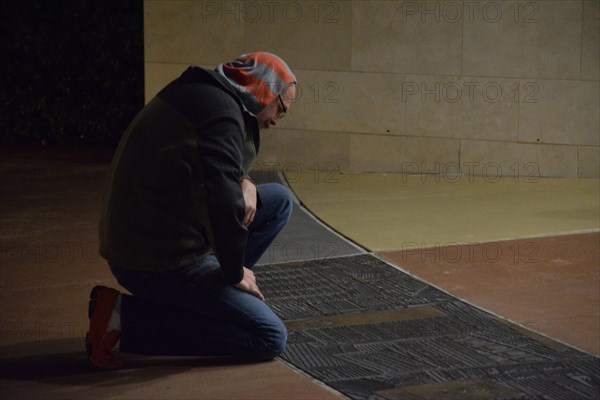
[72,71]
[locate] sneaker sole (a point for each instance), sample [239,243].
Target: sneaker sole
[88,344]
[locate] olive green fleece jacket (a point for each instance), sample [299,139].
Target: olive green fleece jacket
[174,186]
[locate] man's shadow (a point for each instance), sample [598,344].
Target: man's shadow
[64,362]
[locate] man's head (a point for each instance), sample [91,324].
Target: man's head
[277,109]
[265,84]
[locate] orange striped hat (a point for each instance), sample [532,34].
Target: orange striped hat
[257,78]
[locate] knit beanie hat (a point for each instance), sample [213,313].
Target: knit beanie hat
[258,78]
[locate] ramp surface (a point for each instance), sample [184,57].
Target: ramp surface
[357,323]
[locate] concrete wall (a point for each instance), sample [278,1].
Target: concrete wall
[474,87]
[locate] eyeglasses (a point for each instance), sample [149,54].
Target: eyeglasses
[282,114]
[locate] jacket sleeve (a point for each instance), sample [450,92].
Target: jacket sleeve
[221,147]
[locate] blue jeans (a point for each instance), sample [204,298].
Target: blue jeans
[191,312]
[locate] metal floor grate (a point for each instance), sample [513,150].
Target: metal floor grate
[372,332]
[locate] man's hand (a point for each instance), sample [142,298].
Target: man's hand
[248,284]
[249,191]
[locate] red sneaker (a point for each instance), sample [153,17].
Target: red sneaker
[99,342]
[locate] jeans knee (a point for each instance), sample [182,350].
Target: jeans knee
[280,340]
[286,200]
[274,341]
